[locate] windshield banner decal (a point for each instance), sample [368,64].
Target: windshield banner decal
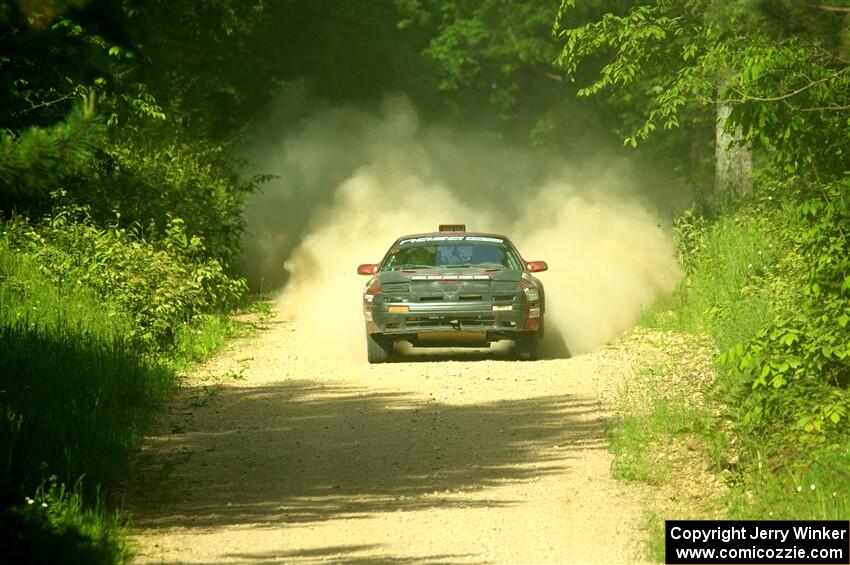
[451,238]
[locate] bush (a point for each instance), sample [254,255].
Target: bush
[733,268]
[159,286]
[798,366]
[146,182]
[771,283]
[76,391]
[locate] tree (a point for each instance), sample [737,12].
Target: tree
[788,83]
[784,71]
[34,162]
[174,95]
[496,51]
[733,156]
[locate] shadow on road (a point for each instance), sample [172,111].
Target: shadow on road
[553,346]
[298,452]
[339,554]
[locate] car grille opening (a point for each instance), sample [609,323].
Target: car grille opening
[450,322]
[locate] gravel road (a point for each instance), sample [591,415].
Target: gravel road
[272,455]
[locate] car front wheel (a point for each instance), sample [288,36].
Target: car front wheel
[377,349]
[527,345]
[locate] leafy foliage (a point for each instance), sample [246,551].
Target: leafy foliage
[501,51]
[160,285]
[790,86]
[194,181]
[798,365]
[32,162]
[159,150]
[693,53]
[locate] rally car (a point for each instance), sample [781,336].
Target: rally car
[453,288]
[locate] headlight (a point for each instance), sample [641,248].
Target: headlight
[532,294]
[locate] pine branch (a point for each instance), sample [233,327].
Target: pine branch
[33,160]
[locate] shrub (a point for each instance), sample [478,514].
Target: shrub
[159,286]
[145,182]
[75,391]
[798,366]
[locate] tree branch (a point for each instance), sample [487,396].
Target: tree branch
[825,108]
[833,9]
[748,98]
[45,104]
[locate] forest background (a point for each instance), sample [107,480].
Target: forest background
[123,185]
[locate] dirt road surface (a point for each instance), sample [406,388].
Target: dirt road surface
[268,455]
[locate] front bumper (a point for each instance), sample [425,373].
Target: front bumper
[450,321]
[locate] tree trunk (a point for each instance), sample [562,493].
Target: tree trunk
[733,159]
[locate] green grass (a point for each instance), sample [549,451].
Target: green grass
[57,522]
[655,543]
[638,437]
[739,271]
[74,397]
[199,339]
[811,484]
[722,295]
[81,389]
[633,436]
[75,393]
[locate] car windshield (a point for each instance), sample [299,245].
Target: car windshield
[409,254]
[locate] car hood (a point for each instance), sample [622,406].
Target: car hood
[450,284]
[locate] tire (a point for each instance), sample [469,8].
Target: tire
[527,345]
[377,350]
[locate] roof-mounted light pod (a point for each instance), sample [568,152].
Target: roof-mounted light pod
[452,227]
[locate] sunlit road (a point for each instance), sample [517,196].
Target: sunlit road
[272,456]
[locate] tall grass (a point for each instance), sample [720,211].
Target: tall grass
[80,387]
[197,340]
[723,293]
[810,483]
[74,395]
[741,271]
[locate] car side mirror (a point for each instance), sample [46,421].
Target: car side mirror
[537,266]
[367,269]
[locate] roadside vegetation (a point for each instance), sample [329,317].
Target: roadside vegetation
[120,234]
[743,272]
[122,191]
[750,280]
[767,276]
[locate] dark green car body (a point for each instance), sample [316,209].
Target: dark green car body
[453,289]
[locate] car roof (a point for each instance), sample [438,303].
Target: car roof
[453,233]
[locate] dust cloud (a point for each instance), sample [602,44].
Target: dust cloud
[350,182]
